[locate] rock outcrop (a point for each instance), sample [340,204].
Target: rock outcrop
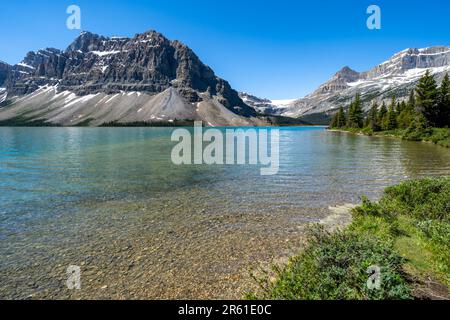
[4,72]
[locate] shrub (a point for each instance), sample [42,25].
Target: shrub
[411,220]
[423,199]
[334,266]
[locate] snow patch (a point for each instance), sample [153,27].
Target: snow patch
[22,64]
[106,53]
[3,94]
[80,100]
[70,98]
[282,103]
[112,98]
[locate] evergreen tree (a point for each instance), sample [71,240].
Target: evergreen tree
[382,116]
[366,122]
[407,112]
[391,119]
[444,103]
[339,119]
[399,108]
[355,114]
[420,123]
[406,116]
[427,98]
[334,121]
[342,119]
[403,107]
[412,101]
[372,118]
[393,104]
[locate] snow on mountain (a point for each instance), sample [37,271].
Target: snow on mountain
[396,76]
[97,80]
[3,94]
[266,106]
[282,103]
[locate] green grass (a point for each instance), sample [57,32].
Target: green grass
[406,233]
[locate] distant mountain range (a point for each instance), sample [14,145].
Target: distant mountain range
[99,80]
[397,76]
[150,79]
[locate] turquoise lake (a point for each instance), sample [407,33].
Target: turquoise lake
[110,201]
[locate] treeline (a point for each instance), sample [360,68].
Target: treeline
[428,106]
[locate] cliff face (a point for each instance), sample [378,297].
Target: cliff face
[4,72]
[411,59]
[148,64]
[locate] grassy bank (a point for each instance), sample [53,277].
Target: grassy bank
[406,234]
[439,136]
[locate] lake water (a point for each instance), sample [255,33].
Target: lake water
[110,201]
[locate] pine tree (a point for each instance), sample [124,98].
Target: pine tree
[403,106]
[351,113]
[334,121]
[393,104]
[427,98]
[391,119]
[339,119]
[382,116]
[412,101]
[372,117]
[444,103]
[355,114]
[406,116]
[342,121]
[420,123]
[399,108]
[366,122]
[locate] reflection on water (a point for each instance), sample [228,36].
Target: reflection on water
[111,201]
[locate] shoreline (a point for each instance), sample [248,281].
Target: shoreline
[168,125]
[404,239]
[387,135]
[175,241]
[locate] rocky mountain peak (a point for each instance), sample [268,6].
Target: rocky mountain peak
[347,74]
[86,41]
[148,63]
[338,82]
[151,35]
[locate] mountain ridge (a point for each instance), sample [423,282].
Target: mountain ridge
[148,78]
[395,76]
[94,65]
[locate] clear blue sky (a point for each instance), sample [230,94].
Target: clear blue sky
[278,49]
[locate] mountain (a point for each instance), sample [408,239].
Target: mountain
[118,80]
[149,79]
[397,76]
[263,105]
